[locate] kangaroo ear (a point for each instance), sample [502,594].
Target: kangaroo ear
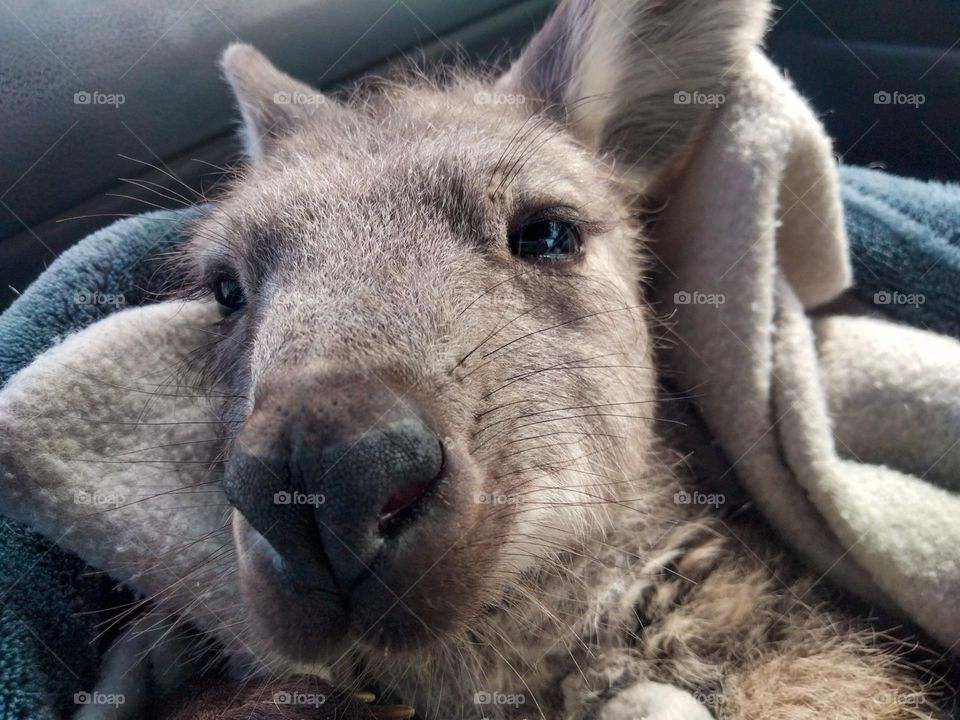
[636,78]
[271,102]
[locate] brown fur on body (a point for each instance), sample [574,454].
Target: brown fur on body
[371,240]
[715,609]
[712,608]
[262,700]
[299,698]
[675,595]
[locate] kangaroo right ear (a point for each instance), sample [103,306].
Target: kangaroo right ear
[271,102]
[634,79]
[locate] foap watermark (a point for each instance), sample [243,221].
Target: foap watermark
[894,297]
[288,697]
[299,98]
[902,699]
[502,699]
[99,698]
[283,497]
[98,498]
[495,498]
[95,297]
[699,98]
[895,97]
[685,497]
[95,97]
[710,699]
[485,97]
[685,297]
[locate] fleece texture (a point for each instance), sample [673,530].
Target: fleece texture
[123,265]
[48,652]
[905,244]
[843,432]
[49,640]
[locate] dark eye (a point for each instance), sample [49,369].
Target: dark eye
[229,294]
[547,239]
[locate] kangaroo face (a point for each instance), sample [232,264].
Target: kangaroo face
[433,327]
[441,351]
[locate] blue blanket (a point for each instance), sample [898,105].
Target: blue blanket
[905,245]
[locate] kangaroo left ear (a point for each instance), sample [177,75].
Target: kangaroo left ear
[271,102]
[636,78]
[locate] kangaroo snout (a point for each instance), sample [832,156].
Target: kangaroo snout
[330,470]
[349,505]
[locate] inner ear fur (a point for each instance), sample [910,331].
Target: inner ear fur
[635,79]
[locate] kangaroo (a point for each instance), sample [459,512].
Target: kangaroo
[448,478]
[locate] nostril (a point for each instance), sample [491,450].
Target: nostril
[375,483]
[403,502]
[400,503]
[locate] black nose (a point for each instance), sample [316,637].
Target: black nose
[365,487]
[330,473]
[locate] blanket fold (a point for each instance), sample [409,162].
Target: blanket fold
[752,239]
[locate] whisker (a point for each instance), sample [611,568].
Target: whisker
[561,324]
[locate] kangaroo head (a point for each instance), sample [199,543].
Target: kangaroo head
[434,331]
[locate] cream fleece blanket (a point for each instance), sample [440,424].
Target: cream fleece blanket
[844,429]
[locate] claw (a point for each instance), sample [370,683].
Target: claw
[393,712]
